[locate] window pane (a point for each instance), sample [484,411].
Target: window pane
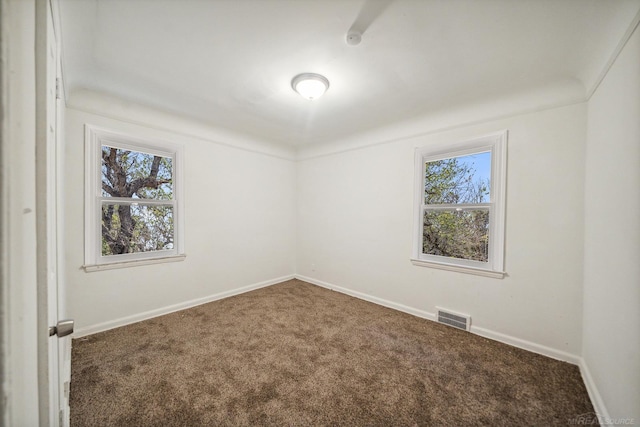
[465,179]
[460,234]
[136,228]
[137,175]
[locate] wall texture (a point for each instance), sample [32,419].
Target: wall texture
[355,213]
[611,348]
[239,231]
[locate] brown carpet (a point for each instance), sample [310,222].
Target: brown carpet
[295,354]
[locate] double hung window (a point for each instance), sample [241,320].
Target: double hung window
[460,192]
[134,205]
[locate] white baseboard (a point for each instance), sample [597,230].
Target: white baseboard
[598,404]
[496,336]
[111,324]
[366,297]
[527,345]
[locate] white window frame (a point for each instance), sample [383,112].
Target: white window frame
[496,143]
[95,138]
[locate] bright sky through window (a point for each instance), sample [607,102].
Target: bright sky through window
[480,165]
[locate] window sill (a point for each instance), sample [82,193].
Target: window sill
[459,268]
[133,263]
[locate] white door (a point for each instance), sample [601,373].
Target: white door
[30,278]
[64,343]
[58,347]
[51,222]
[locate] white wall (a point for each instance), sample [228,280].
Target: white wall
[239,214]
[355,214]
[611,347]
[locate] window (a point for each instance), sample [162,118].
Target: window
[460,206]
[133,210]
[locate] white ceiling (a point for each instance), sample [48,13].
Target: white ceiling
[230,62]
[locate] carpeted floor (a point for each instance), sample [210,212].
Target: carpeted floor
[295,354]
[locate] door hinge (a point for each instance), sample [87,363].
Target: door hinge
[66,389]
[58,88]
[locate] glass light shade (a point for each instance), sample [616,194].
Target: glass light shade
[310,86]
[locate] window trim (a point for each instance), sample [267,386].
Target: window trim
[496,143]
[95,138]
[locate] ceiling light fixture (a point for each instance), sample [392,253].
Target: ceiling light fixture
[310,85]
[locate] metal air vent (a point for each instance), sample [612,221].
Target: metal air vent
[457,320]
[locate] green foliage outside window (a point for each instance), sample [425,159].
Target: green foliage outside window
[450,231]
[136,225]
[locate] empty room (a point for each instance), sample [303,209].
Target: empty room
[320,212]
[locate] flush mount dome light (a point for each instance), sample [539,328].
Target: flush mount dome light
[309,85]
